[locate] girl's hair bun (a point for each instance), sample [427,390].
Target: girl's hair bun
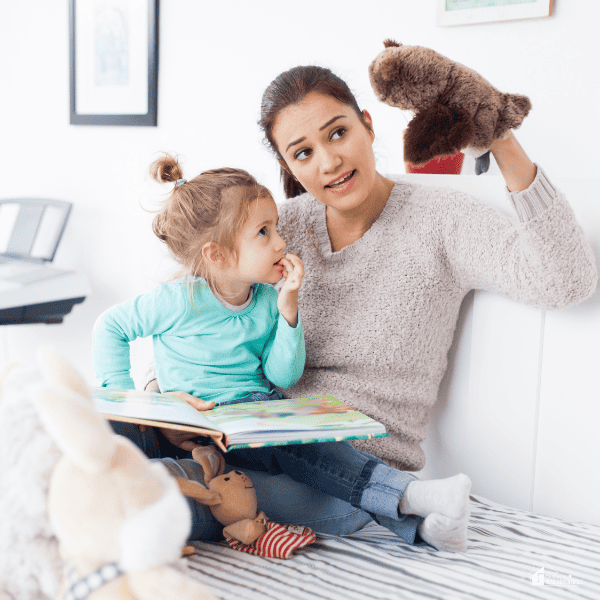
[166,169]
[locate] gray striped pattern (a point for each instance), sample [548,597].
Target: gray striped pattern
[506,547]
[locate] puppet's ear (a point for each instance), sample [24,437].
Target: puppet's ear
[515,109]
[211,460]
[438,130]
[191,489]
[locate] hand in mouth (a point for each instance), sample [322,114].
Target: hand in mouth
[341,180]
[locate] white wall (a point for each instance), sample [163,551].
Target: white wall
[215,60]
[518,408]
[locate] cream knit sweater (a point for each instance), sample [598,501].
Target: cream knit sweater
[379,316]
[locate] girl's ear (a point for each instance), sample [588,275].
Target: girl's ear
[214,255]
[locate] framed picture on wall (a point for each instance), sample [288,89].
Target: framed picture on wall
[114,62]
[467,12]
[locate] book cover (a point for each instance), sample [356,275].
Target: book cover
[244,425]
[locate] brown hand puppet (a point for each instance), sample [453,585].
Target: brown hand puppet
[231,498]
[455,108]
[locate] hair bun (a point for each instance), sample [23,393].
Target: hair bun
[166,169]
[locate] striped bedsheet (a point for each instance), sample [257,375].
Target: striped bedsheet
[512,554]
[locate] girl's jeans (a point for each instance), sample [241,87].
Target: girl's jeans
[330,487]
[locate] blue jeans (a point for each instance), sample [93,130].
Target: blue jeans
[331,486]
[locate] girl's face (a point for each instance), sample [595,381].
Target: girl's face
[328,149]
[259,246]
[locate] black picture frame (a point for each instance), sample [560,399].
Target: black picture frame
[117,111]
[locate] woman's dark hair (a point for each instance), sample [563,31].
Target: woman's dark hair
[289,88]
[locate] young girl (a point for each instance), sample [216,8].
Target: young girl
[224,335]
[220,333]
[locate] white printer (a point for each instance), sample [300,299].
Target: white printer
[31,290]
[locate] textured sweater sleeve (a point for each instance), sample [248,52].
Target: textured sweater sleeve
[148,314]
[284,354]
[541,259]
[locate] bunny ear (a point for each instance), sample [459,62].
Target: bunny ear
[67,412]
[59,372]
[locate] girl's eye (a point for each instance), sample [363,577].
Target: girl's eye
[263,231]
[302,154]
[338,132]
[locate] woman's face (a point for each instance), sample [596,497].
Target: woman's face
[328,149]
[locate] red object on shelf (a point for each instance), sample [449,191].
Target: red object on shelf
[440,165]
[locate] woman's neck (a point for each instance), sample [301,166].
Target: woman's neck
[346,227]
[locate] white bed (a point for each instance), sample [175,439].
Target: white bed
[511,552]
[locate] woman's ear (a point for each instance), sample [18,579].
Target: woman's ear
[214,255]
[368,121]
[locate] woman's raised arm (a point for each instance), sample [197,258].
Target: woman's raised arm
[516,167]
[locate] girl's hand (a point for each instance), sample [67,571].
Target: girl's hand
[287,302]
[181,439]
[293,273]
[194,402]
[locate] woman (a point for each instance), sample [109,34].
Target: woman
[388,263]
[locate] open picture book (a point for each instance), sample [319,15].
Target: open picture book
[245,425]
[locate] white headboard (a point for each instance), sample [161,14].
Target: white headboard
[519,407]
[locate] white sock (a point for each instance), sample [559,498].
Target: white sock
[446,497]
[443,533]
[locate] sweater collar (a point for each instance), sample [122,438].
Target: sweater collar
[372,236]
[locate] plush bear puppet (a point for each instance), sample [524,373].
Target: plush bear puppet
[455,108]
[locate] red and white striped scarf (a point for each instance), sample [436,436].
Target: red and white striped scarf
[278,541]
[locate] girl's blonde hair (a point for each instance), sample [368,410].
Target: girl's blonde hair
[199,211]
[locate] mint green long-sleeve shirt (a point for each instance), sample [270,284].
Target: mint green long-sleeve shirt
[200,346]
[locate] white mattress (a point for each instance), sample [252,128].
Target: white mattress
[508,551]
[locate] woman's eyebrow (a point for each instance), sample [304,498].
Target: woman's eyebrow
[320,129]
[294,143]
[331,121]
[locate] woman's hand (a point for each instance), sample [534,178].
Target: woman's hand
[287,302]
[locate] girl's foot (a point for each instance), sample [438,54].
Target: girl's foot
[446,497]
[444,533]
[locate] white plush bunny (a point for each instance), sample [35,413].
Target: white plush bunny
[121,520]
